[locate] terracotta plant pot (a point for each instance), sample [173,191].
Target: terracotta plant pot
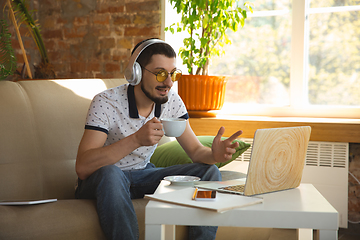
[202,93]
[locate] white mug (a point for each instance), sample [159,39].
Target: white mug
[173,127]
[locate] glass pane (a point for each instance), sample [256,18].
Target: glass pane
[334,58]
[258,60]
[333,3]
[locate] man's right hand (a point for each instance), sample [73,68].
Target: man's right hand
[92,154]
[150,134]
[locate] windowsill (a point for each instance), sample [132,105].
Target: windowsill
[288,119]
[323,129]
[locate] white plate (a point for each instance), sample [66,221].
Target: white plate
[182,180]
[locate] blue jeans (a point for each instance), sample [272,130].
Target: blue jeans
[113,190]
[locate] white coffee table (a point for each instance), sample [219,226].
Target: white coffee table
[303,208]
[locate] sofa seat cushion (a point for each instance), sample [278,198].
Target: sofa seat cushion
[64,219]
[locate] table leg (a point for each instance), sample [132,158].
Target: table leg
[153,231]
[327,234]
[304,234]
[170,232]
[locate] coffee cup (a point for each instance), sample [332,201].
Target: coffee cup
[173,127]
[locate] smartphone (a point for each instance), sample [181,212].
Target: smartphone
[205,195]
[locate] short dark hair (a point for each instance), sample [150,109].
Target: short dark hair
[156,48]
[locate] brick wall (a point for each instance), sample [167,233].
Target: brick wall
[354,185]
[91,38]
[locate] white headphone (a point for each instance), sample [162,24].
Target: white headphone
[133,71]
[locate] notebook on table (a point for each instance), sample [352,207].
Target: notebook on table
[276,163]
[223,202]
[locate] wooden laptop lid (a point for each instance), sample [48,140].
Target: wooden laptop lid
[277,159]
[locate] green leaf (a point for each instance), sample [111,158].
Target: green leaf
[23,15]
[244,14]
[7,55]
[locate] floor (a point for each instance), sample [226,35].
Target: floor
[350,233]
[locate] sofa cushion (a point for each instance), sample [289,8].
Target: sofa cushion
[64,219]
[172,153]
[49,221]
[20,168]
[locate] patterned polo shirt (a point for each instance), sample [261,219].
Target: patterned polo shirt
[115,113]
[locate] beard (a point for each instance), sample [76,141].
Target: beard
[157,100]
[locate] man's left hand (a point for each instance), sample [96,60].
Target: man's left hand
[223,150]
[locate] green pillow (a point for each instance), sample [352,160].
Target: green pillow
[172,153]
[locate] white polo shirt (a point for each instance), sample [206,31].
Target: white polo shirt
[114,112]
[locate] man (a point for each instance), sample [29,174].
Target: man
[121,133]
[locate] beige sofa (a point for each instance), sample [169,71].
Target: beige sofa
[41,126]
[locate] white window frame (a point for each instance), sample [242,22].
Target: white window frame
[299,105]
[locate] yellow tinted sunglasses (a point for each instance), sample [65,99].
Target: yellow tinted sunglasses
[163,74]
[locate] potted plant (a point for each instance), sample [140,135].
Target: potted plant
[206,22]
[18,14]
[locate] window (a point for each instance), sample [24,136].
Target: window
[292,58]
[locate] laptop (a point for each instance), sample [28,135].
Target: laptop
[276,163]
